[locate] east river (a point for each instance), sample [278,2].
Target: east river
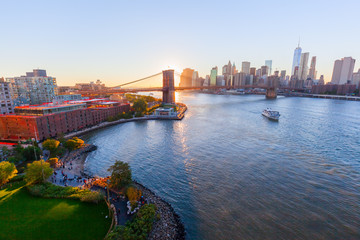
[230,173]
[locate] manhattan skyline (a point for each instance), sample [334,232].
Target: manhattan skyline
[124,41]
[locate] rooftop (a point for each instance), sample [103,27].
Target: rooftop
[46,106]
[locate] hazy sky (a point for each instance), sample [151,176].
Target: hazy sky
[119,41]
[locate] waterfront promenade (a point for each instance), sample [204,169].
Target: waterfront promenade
[179,116]
[336,97]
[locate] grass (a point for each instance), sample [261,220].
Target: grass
[23,216]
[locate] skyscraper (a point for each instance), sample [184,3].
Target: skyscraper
[195,78]
[264,71]
[296,59]
[207,81]
[312,71]
[253,71]
[282,74]
[227,72]
[303,66]
[245,67]
[343,70]
[186,77]
[213,74]
[268,63]
[356,78]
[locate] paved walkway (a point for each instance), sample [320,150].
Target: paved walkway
[119,204]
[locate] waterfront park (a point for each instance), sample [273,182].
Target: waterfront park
[45,193]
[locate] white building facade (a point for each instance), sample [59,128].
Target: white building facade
[6,104]
[343,70]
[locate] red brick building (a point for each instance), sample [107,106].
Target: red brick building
[46,121]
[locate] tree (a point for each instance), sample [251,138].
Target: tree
[140,105]
[51,145]
[7,171]
[53,161]
[38,172]
[18,149]
[120,174]
[74,143]
[18,152]
[133,195]
[13,159]
[61,138]
[29,153]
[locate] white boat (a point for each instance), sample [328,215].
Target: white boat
[273,115]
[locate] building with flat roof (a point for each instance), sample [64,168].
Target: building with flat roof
[343,71]
[34,88]
[186,77]
[213,76]
[245,67]
[49,120]
[6,104]
[165,112]
[45,109]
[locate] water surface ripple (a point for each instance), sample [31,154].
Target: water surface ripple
[230,173]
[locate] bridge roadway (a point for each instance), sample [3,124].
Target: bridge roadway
[160,89]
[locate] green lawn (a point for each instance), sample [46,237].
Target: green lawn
[23,216]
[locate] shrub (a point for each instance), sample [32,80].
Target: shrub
[17,178]
[74,143]
[138,228]
[92,197]
[14,159]
[7,171]
[49,190]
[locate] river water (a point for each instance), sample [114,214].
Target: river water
[230,173]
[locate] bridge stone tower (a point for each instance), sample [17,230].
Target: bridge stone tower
[271,93]
[272,86]
[168,86]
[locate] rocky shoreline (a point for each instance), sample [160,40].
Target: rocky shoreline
[169,226]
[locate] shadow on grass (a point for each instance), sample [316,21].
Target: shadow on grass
[24,216]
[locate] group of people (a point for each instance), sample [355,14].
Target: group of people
[66,180]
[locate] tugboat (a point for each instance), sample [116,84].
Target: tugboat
[273,115]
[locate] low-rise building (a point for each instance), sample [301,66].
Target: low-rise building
[338,89]
[49,120]
[165,112]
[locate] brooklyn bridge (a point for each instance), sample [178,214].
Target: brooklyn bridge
[168,87]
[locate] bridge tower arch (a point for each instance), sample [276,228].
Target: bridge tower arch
[168,86]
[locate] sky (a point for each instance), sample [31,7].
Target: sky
[120,41]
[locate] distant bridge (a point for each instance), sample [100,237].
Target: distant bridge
[169,88]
